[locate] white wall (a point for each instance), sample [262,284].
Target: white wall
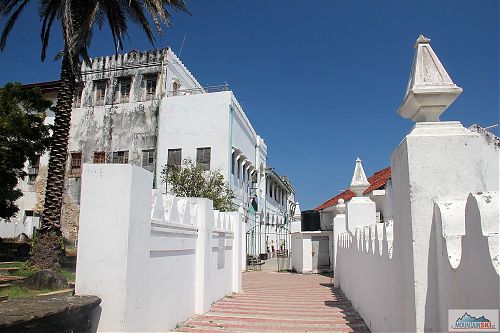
[301,250]
[440,251]
[154,260]
[191,122]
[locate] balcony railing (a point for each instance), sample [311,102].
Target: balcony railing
[194,91]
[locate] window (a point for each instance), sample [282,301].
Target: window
[33,168]
[174,157]
[203,158]
[29,214]
[238,165]
[233,160]
[151,87]
[120,157]
[148,159]
[99,157]
[77,98]
[125,85]
[100,92]
[76,164]
[175,88]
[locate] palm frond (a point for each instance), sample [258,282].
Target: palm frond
[11,21]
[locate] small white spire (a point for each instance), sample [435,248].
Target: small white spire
[297,213]
[340,206]
[422,40]
[430,89]
[359,183]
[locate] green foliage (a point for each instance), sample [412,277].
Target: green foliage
[23,136]
[25,270]
[68,275]
[18,291]
[192,181]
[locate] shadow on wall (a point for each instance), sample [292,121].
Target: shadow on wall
[461,265]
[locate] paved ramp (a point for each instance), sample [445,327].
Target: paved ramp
[280,302]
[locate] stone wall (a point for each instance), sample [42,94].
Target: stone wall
[49,314]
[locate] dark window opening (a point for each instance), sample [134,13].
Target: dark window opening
[148,159]
[174,157]
[120,157]
[99,157]
[151,87]
[76,164]
[33,169]
[77,98]
[203,158]
[125,86]
[100,92]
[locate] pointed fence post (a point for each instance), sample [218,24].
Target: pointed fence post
[436,159]
[361,210]
[339,226]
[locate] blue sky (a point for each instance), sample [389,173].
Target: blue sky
[321,81]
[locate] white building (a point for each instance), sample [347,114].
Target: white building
[314,251]
[213,130]
[146,108]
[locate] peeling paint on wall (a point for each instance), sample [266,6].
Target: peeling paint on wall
[39,187]
[69,219]
[112,124]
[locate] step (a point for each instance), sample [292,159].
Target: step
[8,270]
[63,292]
[8,278]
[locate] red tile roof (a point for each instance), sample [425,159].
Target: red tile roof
[377,180]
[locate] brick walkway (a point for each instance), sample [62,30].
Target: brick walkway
[280,302]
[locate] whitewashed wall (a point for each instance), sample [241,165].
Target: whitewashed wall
[441,250]
[154,260]
[16,227]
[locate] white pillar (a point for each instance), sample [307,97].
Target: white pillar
[115,204]
[205,223]
[338,227]
[436,159]
[237,251]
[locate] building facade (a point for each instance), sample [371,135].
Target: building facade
[147,109]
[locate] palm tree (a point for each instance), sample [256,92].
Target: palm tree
[78,19]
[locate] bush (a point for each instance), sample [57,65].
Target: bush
[188,180]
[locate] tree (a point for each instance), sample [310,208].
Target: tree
[192,181]
[23,136]
[78,19]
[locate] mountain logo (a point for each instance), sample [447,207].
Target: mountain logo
[474,322]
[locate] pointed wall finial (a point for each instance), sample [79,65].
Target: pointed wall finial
[359,183]
[297,213]
[422,40]
[430,89]
[340,206]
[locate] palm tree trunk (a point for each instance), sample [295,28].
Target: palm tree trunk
[48,245]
